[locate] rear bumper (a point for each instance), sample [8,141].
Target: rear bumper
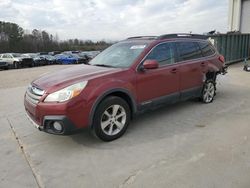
[224,70]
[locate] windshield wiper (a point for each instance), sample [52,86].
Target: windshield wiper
[103,65]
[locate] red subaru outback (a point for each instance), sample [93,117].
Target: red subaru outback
[127,78]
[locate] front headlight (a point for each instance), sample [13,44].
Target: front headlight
[66,93]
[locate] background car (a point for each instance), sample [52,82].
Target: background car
[89,54]
[37,60]
[79,59]
[17,60]
[48,59]
[65,59]
[54,53]
[4,65]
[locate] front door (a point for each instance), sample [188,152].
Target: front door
[159,85]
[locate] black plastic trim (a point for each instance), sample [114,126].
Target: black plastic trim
[68,126]
[170,99]
[160,101]
[190,93]
[105,94]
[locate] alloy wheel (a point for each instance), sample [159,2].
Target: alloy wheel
[113,120]
[208,92]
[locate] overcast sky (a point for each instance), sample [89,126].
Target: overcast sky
[116,19]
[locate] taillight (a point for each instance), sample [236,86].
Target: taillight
[221,59]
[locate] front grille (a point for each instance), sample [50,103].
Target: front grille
[34,94]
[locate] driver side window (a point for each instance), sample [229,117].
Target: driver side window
[163,53]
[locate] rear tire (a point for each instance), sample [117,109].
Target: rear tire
[208,91]
[111,118]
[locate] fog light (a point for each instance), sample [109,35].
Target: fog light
[57,126]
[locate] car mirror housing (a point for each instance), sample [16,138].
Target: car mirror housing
[150,64]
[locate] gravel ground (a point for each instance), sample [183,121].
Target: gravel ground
[188,144]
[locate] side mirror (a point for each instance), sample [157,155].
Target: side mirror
[150,64]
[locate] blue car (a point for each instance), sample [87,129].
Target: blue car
[65,59]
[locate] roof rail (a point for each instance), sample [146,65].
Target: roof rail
[183,35]
[143,37]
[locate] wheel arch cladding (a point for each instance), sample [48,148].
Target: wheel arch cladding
[211,75]
[122,93]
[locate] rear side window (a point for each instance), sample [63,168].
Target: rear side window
[188,51]
[163,53]
[206,48]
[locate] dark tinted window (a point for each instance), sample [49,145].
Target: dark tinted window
[206,48]
[163,53]
[188,50]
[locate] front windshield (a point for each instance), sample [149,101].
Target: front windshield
[16,55]
[120,55]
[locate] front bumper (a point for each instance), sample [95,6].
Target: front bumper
[33,122]
[47,126]
[72,115]
[3,64]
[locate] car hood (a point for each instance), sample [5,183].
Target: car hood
[51,82]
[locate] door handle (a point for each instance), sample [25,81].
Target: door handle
[174,70]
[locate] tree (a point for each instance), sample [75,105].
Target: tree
[13,33]
[14,39]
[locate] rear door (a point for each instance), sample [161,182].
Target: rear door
[159,85]
[191,66]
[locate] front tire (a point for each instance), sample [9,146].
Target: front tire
[111,118]
[16,65]
[208,92]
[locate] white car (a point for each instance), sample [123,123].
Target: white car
[3,64]
[16,60]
